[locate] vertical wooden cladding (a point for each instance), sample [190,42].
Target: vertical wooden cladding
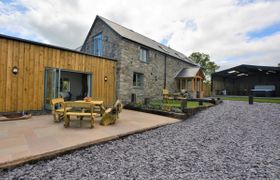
[25,91]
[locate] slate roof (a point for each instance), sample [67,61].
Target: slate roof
[136,37]
[188,72]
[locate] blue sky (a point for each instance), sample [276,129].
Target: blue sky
[265,31]
[15,5]
[232,32]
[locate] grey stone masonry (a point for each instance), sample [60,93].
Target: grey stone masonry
[127,53]
[110,44]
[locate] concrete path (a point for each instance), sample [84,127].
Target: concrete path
[25,140]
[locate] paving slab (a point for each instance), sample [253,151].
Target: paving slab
[39,137]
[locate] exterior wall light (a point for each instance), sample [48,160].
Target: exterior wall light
[105,78]
[15,70]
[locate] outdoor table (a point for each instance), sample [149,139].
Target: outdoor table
[96,103]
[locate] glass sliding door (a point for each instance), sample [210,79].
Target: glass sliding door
[89,79]
[52,77]
[70,85]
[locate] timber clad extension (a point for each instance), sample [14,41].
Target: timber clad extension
[25,90]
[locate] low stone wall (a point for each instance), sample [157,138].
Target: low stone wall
[182,116]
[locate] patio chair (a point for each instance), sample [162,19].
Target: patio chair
[58,109]
[166,95]
[111,114]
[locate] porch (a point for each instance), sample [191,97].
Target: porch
[190,81]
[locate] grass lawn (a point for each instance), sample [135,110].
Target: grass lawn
[256,99]
[176,103]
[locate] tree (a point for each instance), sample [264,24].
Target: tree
[208,66]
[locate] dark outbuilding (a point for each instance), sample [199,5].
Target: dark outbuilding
[247,80]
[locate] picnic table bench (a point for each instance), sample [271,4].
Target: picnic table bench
[99,104]
[79,114]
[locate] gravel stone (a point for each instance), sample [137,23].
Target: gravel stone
[233,140]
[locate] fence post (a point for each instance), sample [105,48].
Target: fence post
[184,104]
[251,99]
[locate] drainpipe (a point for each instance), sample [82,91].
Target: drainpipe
[164,71]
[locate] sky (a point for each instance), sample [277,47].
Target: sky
[232,32]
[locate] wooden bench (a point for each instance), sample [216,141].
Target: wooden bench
[79,114]
[58,113]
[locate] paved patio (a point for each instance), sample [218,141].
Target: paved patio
[25,140]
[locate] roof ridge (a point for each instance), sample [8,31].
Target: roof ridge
[118,24]
[132,30]
[156,45]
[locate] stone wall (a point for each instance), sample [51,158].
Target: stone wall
[153,72]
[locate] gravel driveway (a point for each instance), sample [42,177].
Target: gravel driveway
[231,140]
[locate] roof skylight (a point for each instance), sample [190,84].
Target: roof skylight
[242,74]
[163,48]
[232,71]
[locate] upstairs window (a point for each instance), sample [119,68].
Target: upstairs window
[143,54]
[97,45]
[138,80]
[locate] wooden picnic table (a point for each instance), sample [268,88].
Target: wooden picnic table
[95,103]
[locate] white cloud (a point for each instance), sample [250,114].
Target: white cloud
[215,27]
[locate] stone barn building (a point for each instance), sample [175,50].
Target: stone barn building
[145,67]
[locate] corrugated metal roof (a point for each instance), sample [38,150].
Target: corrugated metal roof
[247,69]
[188,72]
[134,36]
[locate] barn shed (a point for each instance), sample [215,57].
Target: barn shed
[247,80]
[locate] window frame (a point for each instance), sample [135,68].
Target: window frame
[183,85]
[143,49]
[97,48]
[189,84]
[139,80]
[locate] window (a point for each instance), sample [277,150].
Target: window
[65,87]
[183,84]
[143,54]
[189,85]
[133,98]
[178,85]
[198,85]
[138,80]
[163,48]
[97,45]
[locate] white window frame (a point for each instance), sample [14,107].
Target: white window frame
[143,54]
